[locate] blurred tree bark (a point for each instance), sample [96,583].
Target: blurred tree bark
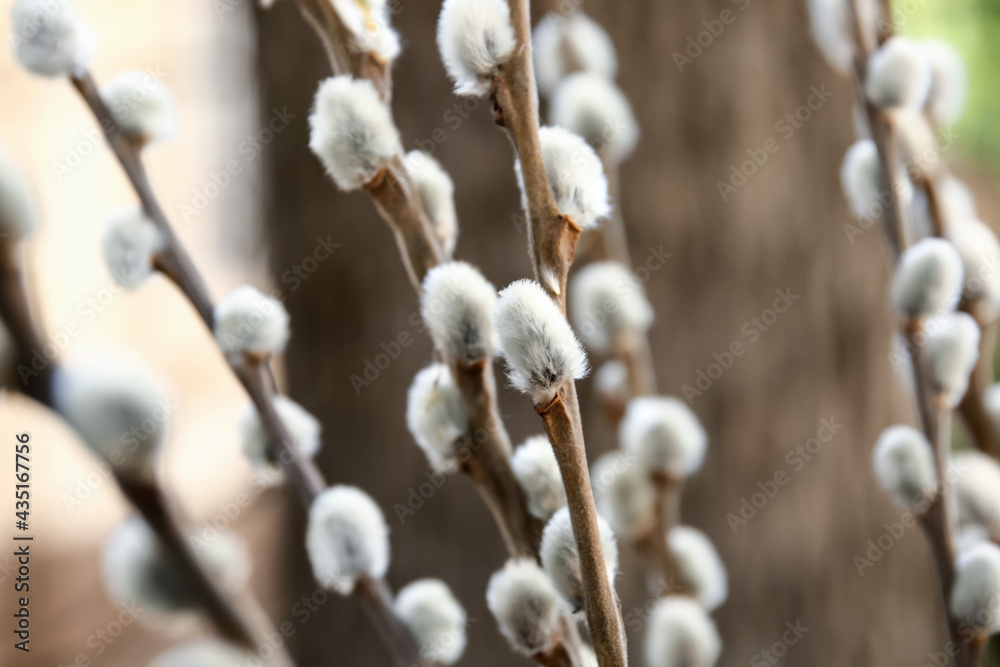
[825,360]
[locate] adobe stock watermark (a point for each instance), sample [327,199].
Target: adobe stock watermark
[752,330]
[875,549]
[696,45]
[786,127]
[796,458]
[773,654]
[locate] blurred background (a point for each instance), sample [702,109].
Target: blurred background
[233,67]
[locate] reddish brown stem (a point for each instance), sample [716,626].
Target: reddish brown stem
[377,603]
[15,312]
[603,616]
[486,459]
[229,617]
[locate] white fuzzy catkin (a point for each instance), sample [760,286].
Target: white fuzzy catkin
[977,491]
[202,653]
[437,196]
[526,605]
[611,383]
[351,131]
[861,179]
[928,279]
[368,22]
[624,495]
[899,75]
[346,538]
[699,565]
[18,213]
[49,38]
[117,406]
[561,559]
[141,105]
[535,467]
[596,109]
[541,351]
[829,23]
[979,249]
[956,199]
[247,320]
[130,241]
[977,588]
[575,175]
[904,465]
[435,619]
[664,436]
[681,634]
[303,428]
[562,45]
[949,82]
[607,303]
[137,568]
[953,348]
[435,415]
[475,37]
[455,302]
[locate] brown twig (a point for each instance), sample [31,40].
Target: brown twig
[229,616]
[486,459]
[15,313]
[655,544]
[400,207]
[144,493]
[603,618]
[552,236]
[174,262]
[253,373]
[375,598]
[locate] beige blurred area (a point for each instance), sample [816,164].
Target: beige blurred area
[207,61]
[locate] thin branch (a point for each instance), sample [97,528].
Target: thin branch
[253,373]
[229,615]
[15,312]
[174,262]
[603,618]
[654,545]
[487,460]
[375,598]
[552,237]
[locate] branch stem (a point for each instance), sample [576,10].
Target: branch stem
[603,617]
[374,597]
[487,459]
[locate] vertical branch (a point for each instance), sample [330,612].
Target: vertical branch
[603,617]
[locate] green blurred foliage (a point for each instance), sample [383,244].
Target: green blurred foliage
[973,27]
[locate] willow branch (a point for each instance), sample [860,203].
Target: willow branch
[654,546]
[145,494]
[486,459]
[399,205]
[375,598]
[174,262]
[15,312]
[552,237]
[603,616]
